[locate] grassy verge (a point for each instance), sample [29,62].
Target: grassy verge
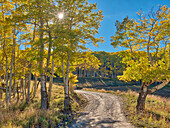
[157,114]
[23,115]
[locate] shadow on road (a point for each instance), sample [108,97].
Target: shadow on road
[92,122]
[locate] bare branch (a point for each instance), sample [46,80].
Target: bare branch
[164,83]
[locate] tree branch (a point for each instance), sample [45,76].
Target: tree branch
[164,83]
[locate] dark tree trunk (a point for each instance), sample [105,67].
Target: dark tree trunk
[84,71]
[22,86]
[44,96]
[67,105]
[35,85]
[1,94]
[140,107]
[81,73]
[78,72]
[17,93]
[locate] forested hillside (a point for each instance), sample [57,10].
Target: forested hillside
[103,64]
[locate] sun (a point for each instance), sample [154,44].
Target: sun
[60,15]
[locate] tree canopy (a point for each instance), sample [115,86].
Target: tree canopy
[148,56]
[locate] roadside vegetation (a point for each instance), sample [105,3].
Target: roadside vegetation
[26,115]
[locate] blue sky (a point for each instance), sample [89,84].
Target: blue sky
[117,10]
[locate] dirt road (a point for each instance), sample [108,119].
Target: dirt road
[102,111]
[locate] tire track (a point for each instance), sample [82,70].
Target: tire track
[103,111]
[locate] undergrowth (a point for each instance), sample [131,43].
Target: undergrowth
[29,115]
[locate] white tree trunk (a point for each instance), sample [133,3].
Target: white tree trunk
[49,53]
[63,71]
[51,82]
[67,106]
[6,77]
[87,73]
[12,62]
[29,84]
[44,97]
[35,82]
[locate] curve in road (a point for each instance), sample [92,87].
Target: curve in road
[103,111]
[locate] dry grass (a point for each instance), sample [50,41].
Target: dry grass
[30,115]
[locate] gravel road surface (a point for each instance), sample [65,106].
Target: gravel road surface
[103,111]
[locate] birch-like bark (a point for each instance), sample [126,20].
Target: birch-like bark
[22,86]
[79,72]
[30,66]
[6,68]
[12,62]
[29,84]
[6,65]
[14,85]
[44,97]
[66,88]
[35,85]
[6,77]
[84,71]
[63,71]
[51,81]
[25,85]
[35,82]
[67,76]
[163,84]
[49,51]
